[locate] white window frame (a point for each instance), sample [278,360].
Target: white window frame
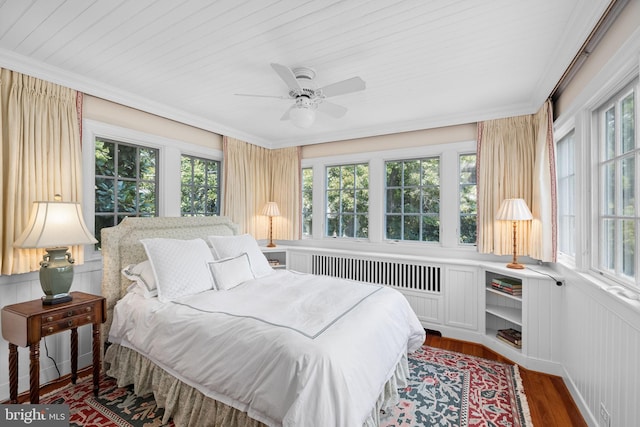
[449,198]
[170,154]
[560,136]
[597,232]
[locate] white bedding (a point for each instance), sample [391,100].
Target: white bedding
[268,347]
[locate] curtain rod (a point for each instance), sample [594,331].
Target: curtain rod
[594,38]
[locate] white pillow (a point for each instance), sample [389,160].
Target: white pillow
[142,276]
[230,272]
[179,266]
[232,246]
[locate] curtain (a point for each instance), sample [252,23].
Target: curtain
[516,160]
[41,157]
[271,176]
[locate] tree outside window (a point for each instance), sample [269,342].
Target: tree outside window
[200,186]
[125,183]
[413,200]
[307,201]
[348,201]
[468,199]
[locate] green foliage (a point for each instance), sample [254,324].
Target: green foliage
[200,186]
[307,201]
[125,183]
[348,201]
[413,195]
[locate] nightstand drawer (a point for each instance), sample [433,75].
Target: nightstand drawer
[67,323]
[54,317]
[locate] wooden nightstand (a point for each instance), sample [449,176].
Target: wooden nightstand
[25,323]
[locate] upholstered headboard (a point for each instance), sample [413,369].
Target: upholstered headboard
[121,246]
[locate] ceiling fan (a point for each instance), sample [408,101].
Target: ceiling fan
[307,97]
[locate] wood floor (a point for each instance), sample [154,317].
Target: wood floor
[550,402]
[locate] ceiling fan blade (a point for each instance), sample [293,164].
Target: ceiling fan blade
[354,84]
[331,109]
[262,96]
[287,76]
[285,116]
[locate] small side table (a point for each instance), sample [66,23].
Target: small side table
[25,323]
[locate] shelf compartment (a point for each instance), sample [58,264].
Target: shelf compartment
[511,314]
[504,294]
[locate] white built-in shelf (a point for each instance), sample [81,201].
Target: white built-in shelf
[513,315]
[504,294]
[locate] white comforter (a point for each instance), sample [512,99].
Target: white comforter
[289,349]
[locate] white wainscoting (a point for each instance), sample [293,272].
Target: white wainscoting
[601,352]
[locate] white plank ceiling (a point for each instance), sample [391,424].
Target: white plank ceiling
[426,63]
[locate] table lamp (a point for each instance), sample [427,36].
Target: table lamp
[514,210]
[271,210]
[55,226]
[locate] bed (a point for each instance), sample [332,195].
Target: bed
[256,346]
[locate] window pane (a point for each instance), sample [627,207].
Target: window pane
[411,227]
[628,248]
[347,194]
[610,134]
[133,192]
[105,196]
[411,173]
[307,201]
[467,193]
[619,215]
[199,186]
[431,229]
[147,164]
[105,159]
[127,196]
[468,226]
[394,227]
[628,124]
[628,186]
[609,189]
[412,200]
[394,201]
[412,196]
[127,164]
[362,226]
[566,195]
[394,174]
[348,177]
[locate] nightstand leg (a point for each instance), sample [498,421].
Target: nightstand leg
[34,373]
[96,359]
[13,373]
[74,355]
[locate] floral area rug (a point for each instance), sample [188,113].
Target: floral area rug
[114,406]
[452,389]
[444,389]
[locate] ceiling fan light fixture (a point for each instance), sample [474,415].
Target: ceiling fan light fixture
[303,117]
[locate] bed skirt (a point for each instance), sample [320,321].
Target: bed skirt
[189,407]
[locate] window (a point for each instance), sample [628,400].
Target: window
[618,211]
[468,199]
[126,183]
[348,201]
[566,195]
[307,201]
[200,186]
[413,199]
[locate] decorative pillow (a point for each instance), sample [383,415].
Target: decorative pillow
[230,272]
[232,246]
[142,276]
[180,266]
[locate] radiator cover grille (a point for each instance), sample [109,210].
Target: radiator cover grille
[402,275]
